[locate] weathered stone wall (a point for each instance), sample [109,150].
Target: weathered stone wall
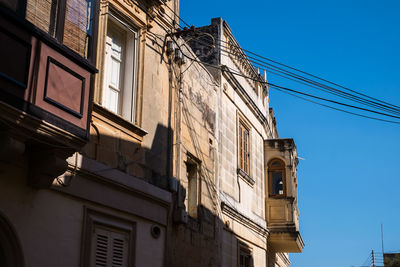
[242,99]
[141,147]
[195,140]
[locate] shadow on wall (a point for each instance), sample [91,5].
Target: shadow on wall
[196,242]
[124,152]
[199,242]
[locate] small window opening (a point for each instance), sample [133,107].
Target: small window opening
[276,176]
[245,257]
[192,174]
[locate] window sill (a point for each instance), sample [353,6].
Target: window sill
[242,174]
[281,197]
[276,196]
[118,120]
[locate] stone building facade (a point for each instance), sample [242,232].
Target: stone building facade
[85,133]
[255,174]
[128,142]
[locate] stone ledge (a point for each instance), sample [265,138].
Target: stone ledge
[242,174]
[237,216]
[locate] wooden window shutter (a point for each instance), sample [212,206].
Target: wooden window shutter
[119,250]
[241,146]
[110,248]
[244,153]
[246,149]
[101,250]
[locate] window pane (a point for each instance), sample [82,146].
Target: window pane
[42,13]
[113,101]
[78,25]
[115,73]
[277,183]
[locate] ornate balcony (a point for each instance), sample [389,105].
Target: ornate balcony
[283,224]
[45,88]
[282,214]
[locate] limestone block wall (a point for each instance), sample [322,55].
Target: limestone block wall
[227,147]
[195,145]
[258,170]
[139,147]
[250,196]
[229,249]
[198,130]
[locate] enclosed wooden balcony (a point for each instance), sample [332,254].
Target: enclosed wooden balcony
[46,82]
[282,214]
[283,225]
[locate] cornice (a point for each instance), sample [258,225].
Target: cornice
[228,32]
[244,95]
[244,220]
[102,174]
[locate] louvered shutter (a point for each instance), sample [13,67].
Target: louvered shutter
[110,248]
[244,155]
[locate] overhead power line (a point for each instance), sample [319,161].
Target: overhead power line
[314,84]
[281,71]
[338,109]
[257,57]
[284,89]
[332,101]
[319,78]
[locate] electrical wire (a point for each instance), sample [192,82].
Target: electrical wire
[319,78]
[295,91]
[291,90]
[338,109]
[347,96]
[332,101]
[379,104]
[173,11]
[303,80]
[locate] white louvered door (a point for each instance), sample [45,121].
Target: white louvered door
[110,248]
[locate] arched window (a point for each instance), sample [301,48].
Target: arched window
[276,178]
[10,249]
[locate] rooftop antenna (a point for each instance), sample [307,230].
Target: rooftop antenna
[373,258]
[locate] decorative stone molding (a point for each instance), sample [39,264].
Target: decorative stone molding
[237,216]
[242,174]
[246,97]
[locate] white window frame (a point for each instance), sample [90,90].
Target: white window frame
[126,104]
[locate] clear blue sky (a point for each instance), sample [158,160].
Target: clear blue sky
[349,182]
